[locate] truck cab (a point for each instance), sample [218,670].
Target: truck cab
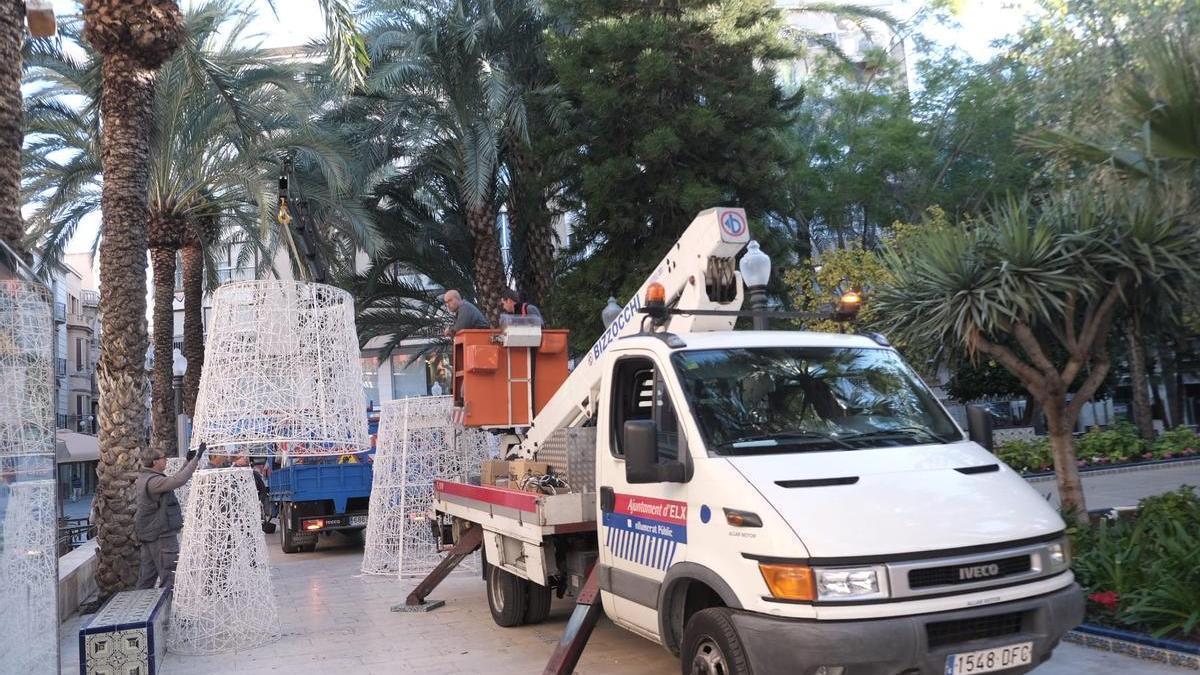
[796,501]
[755,501]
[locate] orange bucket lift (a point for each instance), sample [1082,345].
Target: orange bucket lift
[503,378]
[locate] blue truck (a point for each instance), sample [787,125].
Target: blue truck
[330,495]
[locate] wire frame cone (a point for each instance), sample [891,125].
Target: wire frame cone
[26,370]
[174,464]
[281,366]
[418,443]
[29,580]
[223,598]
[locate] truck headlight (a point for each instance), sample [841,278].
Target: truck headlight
[1058,555]
[847,584]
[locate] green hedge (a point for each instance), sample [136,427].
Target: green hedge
[1116,445]
[1144,574]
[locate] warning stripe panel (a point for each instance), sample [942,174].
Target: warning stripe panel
[522,501]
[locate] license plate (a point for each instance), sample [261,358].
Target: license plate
[990,660]
[358,520]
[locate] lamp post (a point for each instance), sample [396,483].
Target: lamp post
[178,368]
[610,312]
[755,267]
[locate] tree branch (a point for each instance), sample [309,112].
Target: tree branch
[1024,372]
[1033,349]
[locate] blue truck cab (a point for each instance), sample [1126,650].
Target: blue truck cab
[321,495]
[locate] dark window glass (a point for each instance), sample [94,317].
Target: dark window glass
[792,399]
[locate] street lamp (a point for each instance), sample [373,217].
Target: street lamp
[178,368]
[755,267]
[610,312]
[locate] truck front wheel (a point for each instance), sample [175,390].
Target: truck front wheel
[711,645]
[508,597]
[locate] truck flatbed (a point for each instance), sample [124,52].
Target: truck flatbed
[527,516]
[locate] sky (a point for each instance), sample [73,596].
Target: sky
[297,22]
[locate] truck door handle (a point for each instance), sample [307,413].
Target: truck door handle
[608,500]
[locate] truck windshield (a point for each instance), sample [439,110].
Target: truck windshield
[797,399]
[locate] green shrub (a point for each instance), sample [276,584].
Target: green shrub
[1145,574]
[1026,456]
[1119,443]
[1178,506]
[1175,443]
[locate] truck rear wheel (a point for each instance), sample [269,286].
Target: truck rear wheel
[508,597]
[290,541]
[538,607]
[711,645]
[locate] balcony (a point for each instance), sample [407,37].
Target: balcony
[91,298]
[60,312]
[237,273]
[79,321]
[85,424]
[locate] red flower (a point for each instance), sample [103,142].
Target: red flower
[1106,599]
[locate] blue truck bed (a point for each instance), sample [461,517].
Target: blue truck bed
[311,482]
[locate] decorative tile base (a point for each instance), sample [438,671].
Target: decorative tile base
[127,636]
[1158,653]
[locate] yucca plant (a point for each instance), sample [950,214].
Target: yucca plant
[1032,275]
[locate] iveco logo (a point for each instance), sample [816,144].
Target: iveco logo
[978,572]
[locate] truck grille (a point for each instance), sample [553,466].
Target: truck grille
[942,633]
[949,575]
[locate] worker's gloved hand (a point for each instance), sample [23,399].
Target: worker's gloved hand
[192,454]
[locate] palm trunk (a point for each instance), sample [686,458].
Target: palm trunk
[162,408]
[134,38]
[527,208]
[489,272]
[1066,471]
[12,28]
[1139,379]
[1169,360]
[193,322]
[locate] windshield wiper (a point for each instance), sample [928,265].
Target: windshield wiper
[784,438]
[906,431]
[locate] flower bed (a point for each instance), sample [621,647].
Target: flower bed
[1144,575]
[1118,445]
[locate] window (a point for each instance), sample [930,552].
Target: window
[408,375]
[800,399]
[80,354]
[640,393]
[370,374]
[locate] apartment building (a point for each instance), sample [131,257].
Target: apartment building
[857,39]
[77,343]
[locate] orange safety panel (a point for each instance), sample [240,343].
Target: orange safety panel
[492,382]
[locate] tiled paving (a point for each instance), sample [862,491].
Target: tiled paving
[337,622]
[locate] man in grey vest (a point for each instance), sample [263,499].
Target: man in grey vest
[159,517]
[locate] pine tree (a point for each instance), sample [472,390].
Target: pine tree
[674,109]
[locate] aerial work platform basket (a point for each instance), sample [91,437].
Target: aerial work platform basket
[503,378]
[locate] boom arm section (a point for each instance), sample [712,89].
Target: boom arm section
[698,273]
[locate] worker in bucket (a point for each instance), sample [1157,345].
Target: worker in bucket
[466,314]
[510,303]
[158,518]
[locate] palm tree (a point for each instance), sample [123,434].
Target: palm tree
[218,138]
[12,33]
[134,39]
[1044,279]
[437,94]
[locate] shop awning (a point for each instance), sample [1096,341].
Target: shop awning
[76,447]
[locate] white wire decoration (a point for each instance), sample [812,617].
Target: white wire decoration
[223,600]
[26,371]
[28,580]
[418,442]
[282,367]
[174,464]
[28,489]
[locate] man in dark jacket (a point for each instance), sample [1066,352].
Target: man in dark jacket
[510,303]
[466,314]
[159,518]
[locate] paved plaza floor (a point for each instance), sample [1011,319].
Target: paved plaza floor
[337,621]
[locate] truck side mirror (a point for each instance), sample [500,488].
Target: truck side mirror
[979,426]
[640,442]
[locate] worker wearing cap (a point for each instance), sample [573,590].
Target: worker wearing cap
[466,314]
[511,303]
[159,518]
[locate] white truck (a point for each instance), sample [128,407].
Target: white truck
[770,501]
